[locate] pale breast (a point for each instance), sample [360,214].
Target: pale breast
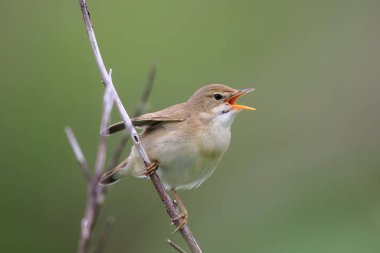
[196,164]
[187,158]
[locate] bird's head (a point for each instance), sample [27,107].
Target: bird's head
[218,101]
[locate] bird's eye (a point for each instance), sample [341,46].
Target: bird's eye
[217,96]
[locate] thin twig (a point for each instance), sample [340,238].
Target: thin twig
[148,89]
[101,156]
[106,233]
[138,111]
[95,191]
[78,153]
[170,209]
[175,246]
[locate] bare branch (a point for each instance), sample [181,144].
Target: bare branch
[138,111]
[170,209]
[140,108]
[175,246]
[106,233]
[96,191]
[78,153]
[107,107]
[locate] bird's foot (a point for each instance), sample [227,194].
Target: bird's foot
[151,169]
[182,218]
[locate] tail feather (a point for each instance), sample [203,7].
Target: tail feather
[114,175]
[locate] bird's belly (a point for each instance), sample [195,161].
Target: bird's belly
[182,167]
[188,172]
[184,163]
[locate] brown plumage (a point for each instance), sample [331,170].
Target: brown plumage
[187,140]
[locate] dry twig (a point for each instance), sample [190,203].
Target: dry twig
[140,108]
[95,191]
[175,246]
[78,153]
[106,233]
[168,203]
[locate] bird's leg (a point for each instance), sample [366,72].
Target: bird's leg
[184,214]
[151,168]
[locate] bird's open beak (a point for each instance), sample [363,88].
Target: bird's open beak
[232,100]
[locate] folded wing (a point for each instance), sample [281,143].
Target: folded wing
[171,114]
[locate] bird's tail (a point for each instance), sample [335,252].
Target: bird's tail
[112,176]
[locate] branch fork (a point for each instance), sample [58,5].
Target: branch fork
[95,191]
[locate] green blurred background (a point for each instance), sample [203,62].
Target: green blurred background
[302,172]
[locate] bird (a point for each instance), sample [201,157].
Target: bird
[185,142]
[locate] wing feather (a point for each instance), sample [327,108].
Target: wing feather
[174,113]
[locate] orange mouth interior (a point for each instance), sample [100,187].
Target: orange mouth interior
[232,101]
